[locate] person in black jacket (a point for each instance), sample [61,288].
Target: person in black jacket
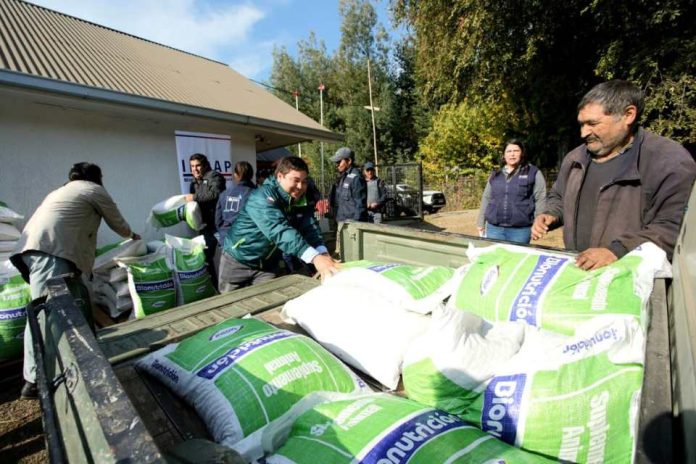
[348,196]
[205,188]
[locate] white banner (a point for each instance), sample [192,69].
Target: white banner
[216,147]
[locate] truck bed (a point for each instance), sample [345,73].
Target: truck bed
[105,364]
[169,420]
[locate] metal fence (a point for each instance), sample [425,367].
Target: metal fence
[404,183]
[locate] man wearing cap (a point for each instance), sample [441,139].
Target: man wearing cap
[348,196]
[376,193]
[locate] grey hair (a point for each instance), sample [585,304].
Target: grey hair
[615,96]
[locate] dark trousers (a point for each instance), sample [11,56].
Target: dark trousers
[234,275]
[211,245]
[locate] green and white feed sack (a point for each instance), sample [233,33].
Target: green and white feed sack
[243,374]
[187,258]
[151,284]
[386,429]
[574,398]
[175,209]
[547,290]
[14,297]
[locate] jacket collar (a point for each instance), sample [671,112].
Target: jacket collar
[272,182]
[582,158]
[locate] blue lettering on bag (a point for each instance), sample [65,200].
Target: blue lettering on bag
[501,406]
[219,365]
[525,307]
[403,441]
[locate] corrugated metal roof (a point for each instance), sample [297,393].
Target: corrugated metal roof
[45,43]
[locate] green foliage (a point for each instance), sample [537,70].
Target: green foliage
[671,109]
[545,55]
[470,74]
[464,138]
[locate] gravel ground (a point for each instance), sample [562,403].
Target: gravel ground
[464,222]
[21,431]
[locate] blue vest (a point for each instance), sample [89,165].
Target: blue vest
[511,203]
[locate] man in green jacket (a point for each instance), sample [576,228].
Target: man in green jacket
[277,219]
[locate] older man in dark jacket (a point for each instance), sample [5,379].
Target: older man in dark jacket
[623,187]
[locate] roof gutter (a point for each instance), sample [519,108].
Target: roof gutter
[21,80]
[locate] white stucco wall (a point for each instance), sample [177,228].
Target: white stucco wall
[42,136]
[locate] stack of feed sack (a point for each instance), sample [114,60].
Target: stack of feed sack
[541,354]
[173,274]
[110,282]
[9,233]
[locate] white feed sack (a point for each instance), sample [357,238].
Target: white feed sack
[547,290]
[187,260]
[415,288]
[174,210]
[154,246]
[7,246]
[115,298]
[106,261]
[243,374]
[8,215]
[364,329]
[386,429]
[114,275]
[8,232]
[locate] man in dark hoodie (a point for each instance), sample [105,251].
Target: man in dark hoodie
[205,189]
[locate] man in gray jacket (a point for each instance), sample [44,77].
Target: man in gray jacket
[61,238]
[624,186]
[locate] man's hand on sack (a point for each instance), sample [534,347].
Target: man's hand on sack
[594,258]
[326,265]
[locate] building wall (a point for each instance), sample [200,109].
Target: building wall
[42,136]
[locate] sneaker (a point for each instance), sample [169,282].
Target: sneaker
[29,391]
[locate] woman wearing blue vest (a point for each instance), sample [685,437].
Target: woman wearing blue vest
[513,196]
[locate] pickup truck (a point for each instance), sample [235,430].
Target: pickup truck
[98,408]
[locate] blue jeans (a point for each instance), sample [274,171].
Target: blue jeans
[511,234]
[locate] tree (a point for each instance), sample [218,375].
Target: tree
[465,137]
[409,119]
[544,55]
[345,78]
